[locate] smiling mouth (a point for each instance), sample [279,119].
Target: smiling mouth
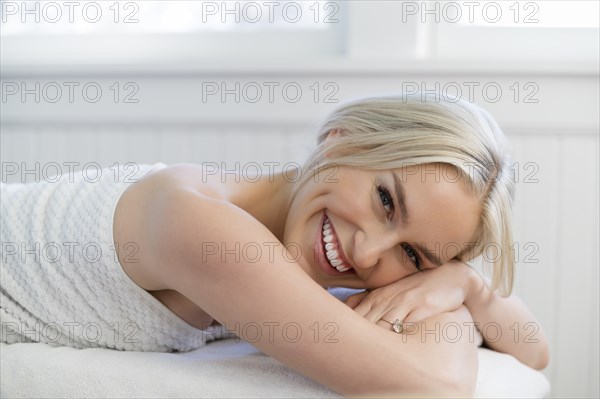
[332,248]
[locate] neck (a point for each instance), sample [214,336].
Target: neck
[266,199]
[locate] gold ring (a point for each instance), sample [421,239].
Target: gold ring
[397,325]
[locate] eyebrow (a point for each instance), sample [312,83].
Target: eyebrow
[399,189]
[401,200]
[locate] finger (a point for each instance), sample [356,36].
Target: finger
[378,311]
[374,311]
[396,313]
[385,325]
[424,312]
[418,315]
[353,300]
[364,307]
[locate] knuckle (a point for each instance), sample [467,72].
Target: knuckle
[410,296]
[429,302]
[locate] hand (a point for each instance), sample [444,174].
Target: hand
[417,296]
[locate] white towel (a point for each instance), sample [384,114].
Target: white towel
[60,280]
[221,369]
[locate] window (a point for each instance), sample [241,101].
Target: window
[96,31]
[514,30]
[188,33]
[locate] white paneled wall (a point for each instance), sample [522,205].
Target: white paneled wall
[556,223]
[26,145]
[555,142]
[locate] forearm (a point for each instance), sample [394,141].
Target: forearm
[356,359]
[507,325]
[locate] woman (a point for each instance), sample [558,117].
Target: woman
[398,195]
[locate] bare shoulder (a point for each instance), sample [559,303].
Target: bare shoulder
[171,221]
[175,222]
[179,176]
[141,210]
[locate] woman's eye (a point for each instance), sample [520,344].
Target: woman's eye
[414,256]
[386,199]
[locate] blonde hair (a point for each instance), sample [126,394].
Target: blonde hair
[394,132]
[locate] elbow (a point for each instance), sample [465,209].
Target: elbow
[543,359]
[538,357]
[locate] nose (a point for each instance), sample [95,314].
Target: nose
[373,248]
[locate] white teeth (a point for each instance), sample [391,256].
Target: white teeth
[332,254]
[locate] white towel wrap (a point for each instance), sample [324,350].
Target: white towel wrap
[61,282]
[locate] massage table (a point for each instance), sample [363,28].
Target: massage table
[224,368]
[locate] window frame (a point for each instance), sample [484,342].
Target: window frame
[171,47]
[370,34]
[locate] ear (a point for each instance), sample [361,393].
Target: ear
[333,133]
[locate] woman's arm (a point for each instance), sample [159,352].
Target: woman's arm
[286,314]
[506,324]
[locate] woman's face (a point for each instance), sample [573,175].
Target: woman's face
[378,223]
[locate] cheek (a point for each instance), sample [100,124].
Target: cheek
[461,231]
[350,206]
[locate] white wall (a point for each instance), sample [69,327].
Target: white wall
[556,218]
